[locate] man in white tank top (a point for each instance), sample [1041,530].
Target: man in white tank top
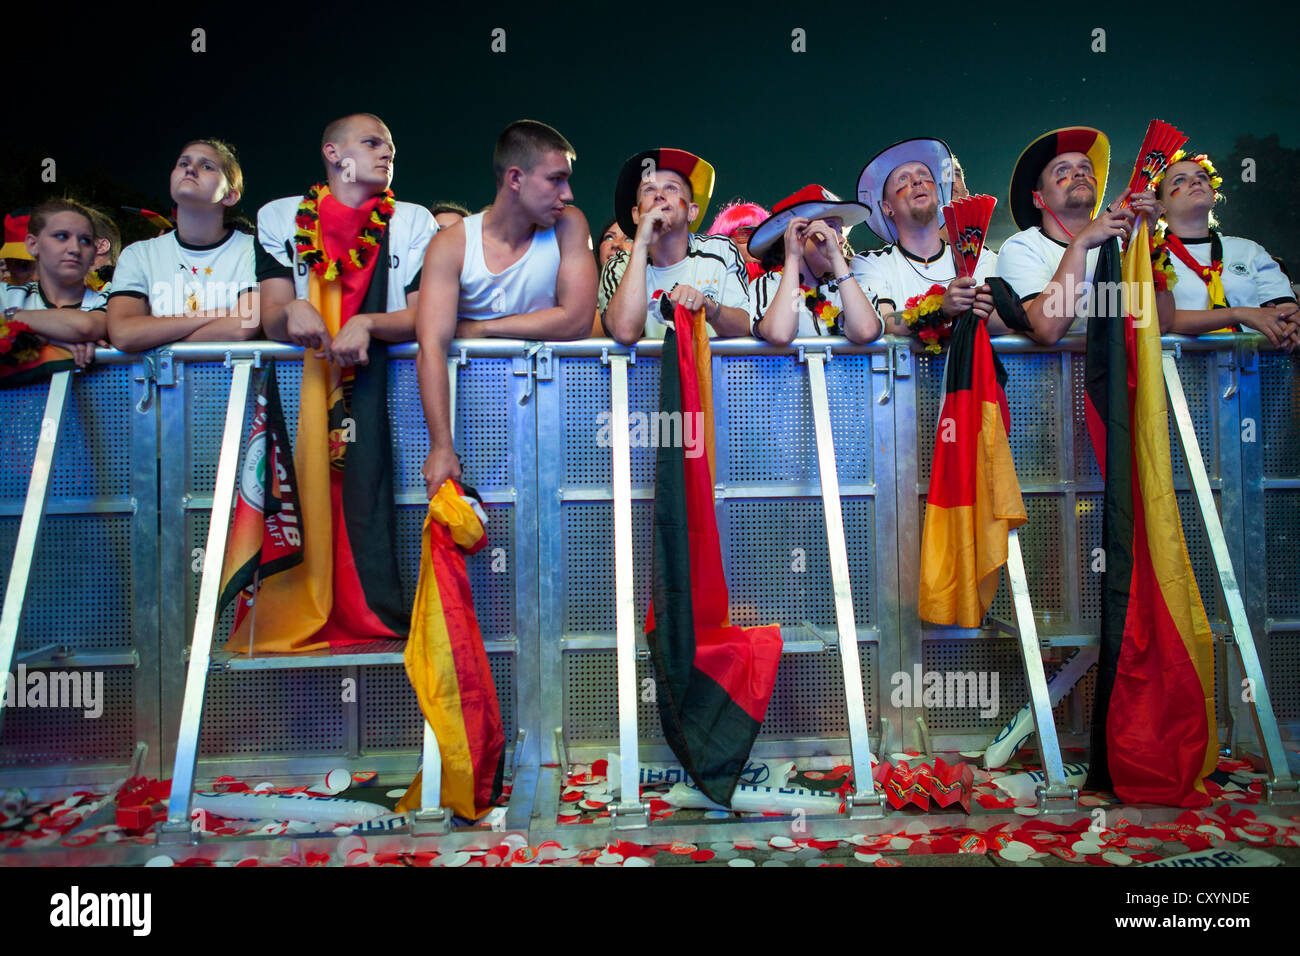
[523,269]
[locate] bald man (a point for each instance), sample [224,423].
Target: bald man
[358,154]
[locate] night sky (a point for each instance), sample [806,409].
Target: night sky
[119,91]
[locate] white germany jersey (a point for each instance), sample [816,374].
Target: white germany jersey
[1250,276]
[176,277]
[765,288]
[892,274]
[712,264]
[1028,260]
[409,232]
[31,297]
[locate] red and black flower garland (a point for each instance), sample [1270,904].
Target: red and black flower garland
[310,248]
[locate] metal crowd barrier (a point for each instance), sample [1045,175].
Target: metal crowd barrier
[115,575]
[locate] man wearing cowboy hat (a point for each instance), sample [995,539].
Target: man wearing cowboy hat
[815,292]
[906,185]
[1056,191]
[660,200]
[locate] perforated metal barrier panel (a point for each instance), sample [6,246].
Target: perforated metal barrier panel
[89,591]
[534,441]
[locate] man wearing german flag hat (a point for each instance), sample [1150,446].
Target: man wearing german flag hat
[660,200]
[1056,192]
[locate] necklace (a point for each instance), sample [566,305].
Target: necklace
[311,249]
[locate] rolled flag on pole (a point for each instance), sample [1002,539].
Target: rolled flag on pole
[266,533]
[447,664]
[156,219]
[714,679]
[1154,738]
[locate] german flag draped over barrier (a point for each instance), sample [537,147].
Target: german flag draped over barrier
[347,588]
[974,498]
[33,364]
[266,534]
[1153,734]
[714,679]
[447,665]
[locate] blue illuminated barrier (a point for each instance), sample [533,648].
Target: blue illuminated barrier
[115,575]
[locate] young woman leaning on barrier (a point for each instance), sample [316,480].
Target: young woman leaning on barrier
[196,283]
[1219,282]
[57,305]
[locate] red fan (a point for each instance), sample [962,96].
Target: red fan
[967,221]
[1157,152]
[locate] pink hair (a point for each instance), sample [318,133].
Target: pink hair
[737,214]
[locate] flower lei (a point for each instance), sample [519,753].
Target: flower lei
[310,248]
[1162,267]
[1201,159]
[18,343]
[924,318]
[821,308]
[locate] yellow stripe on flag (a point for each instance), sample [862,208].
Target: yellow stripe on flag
[292,606]
[431,668]
[1164,526]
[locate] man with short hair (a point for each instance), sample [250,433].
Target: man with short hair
[660,200]
[447,213]
[521,269]
[906,185]
[1056,191]
[339,272]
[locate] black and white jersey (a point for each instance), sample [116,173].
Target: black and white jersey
[31,297]
[712,264]
[764,290]
[1029,259]
[894,275]
[176,277]
[408,233]
[1250,276]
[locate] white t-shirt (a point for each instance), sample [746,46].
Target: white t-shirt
[527,285]
[1028,260]
[176,277]
[894,274]
[1250,276]
[765,287]
[409,231]
[712,264]
[30,296]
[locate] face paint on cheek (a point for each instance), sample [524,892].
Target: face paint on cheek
[900,190]
[1062,181]
[1175,191]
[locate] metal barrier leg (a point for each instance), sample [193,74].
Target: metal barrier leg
[864,802]
[176,828]
[1055,796]
[1281,787]
[29,529]
[432,818]
[629,812]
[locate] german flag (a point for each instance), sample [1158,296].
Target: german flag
[974,498]
[714,679]
[347,589]
[29,358]
[266,534]
[1153,735]
[446,662]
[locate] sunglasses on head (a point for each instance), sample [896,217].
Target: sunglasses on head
[743,233]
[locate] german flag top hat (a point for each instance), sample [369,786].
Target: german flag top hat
[1071,139]
[697,172]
